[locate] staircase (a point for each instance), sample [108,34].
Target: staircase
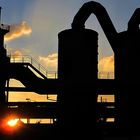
[34,65]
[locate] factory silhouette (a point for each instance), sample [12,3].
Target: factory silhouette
[76,113]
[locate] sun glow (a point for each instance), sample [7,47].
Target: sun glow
[9,126]
[13,122]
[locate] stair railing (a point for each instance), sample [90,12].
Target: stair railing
[34,63]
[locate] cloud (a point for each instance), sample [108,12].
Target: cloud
[106,64]
[16,56]
[50,61]
[18,30]
[17,53]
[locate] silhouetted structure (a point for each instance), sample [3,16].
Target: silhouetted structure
[4,64]
[77,65]
[126,47]
[77,111]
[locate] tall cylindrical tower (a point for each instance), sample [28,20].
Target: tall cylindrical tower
[77,70]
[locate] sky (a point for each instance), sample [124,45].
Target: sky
[35,25]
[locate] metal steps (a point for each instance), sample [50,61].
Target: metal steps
[27,60]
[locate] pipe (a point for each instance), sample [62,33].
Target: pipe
[134,21]
[93,7]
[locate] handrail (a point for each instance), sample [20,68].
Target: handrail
[34,63]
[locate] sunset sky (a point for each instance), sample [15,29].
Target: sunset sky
[35,25]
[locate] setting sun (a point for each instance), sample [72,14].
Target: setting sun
[9,126]
[13,122]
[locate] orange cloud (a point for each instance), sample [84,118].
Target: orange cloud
[106,68]
[50,61]
[17,53]
[18,30]
[106,64]
[16,56]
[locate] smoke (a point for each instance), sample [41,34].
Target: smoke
[50,61]
[18,30]
[106,64]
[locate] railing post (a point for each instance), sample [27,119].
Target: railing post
[10,57]
[31,61]
[55,75]
[108,75]
[98,74]
[22,59]
[39,67]
[101,100]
